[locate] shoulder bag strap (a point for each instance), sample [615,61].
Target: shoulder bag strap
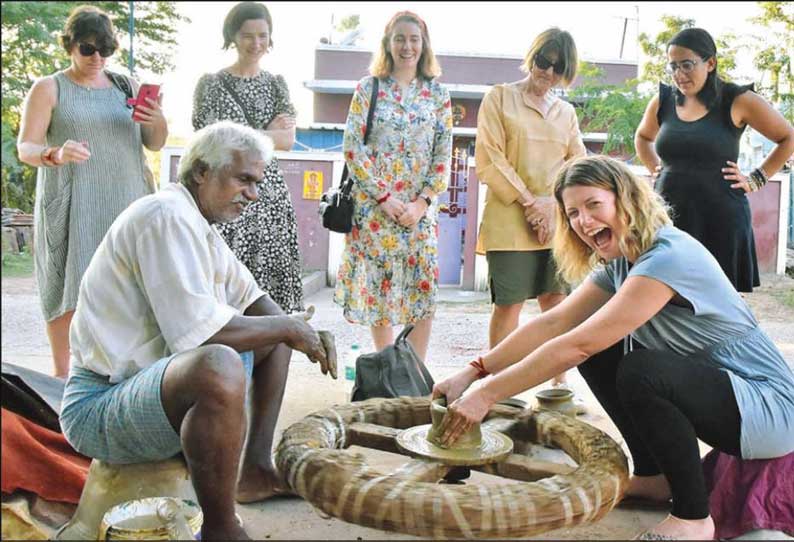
[236,99]
[120,82]
[346,182]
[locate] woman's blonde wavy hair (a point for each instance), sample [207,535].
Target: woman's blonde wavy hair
[383,63]
[640,210]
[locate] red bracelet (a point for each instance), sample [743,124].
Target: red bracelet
[384,198]
[477,364]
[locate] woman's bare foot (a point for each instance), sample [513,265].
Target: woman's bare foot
[654,488]
[673,528]
[258,483]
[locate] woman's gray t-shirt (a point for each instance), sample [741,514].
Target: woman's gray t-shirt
[720,327]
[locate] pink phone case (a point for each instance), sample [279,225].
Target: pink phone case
[146,91]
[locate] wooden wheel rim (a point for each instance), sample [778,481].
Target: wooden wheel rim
[340,483]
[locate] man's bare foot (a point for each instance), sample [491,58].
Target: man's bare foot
[257,484]
[673,528]
[654,488]
[234,532]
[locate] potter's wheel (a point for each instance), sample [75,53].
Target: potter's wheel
[494,447]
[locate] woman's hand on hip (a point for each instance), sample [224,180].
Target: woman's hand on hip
[72,151]
[732,173]
[462,415]
[412,214]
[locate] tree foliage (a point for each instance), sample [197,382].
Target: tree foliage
[772,54]
[30,50]
[614,109]
[348,23]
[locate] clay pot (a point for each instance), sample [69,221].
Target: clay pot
[468,440]
[557,399]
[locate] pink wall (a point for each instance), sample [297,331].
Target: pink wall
[765,206]
[312,237]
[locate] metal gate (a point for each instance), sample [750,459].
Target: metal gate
[452,220]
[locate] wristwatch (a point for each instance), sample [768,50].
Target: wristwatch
[427,199]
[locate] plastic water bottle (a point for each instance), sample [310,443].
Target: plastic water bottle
[350,368]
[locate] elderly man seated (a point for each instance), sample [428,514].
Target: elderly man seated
[170,327]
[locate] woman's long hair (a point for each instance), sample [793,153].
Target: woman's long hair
[640,210]
[383,63]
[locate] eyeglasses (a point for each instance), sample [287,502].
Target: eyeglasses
[543,63]
[87,49]
[686,66]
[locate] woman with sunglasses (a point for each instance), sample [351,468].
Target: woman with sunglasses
[524,135]
[689,137]
[78,130]
[265,237]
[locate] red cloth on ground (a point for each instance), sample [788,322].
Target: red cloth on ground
[749,494]
[40,461]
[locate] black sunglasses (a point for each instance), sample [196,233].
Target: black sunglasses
[543,63]
[86,49]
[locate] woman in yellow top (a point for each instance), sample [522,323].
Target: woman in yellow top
[524,136]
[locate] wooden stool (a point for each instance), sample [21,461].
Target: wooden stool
[108,485]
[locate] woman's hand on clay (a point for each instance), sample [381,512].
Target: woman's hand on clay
[462,415]
[454,386]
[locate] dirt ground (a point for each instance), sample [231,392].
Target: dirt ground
[460,333]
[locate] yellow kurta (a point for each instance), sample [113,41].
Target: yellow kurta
[516,146]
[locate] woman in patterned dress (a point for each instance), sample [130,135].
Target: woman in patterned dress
[389,270]
[265,237]
[78,130]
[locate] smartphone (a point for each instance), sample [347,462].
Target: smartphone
[146,91]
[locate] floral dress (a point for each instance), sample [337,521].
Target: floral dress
[265,237]
[389,273]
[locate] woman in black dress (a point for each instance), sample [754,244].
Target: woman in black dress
[265,237]
[696,126]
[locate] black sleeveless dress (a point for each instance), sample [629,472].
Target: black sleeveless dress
[691,181]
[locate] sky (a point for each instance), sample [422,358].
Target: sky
[493,27]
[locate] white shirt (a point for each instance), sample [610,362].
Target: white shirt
[162,281]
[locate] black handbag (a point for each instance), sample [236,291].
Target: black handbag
[336,205]
[395,371]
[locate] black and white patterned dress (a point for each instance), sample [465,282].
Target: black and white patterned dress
[265,237]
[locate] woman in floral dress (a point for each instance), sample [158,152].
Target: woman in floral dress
[389,270]
[265,237]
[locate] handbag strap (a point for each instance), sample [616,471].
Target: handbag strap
[346,182]
[236,99]
[373,99]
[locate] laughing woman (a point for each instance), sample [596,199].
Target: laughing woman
[664,341]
